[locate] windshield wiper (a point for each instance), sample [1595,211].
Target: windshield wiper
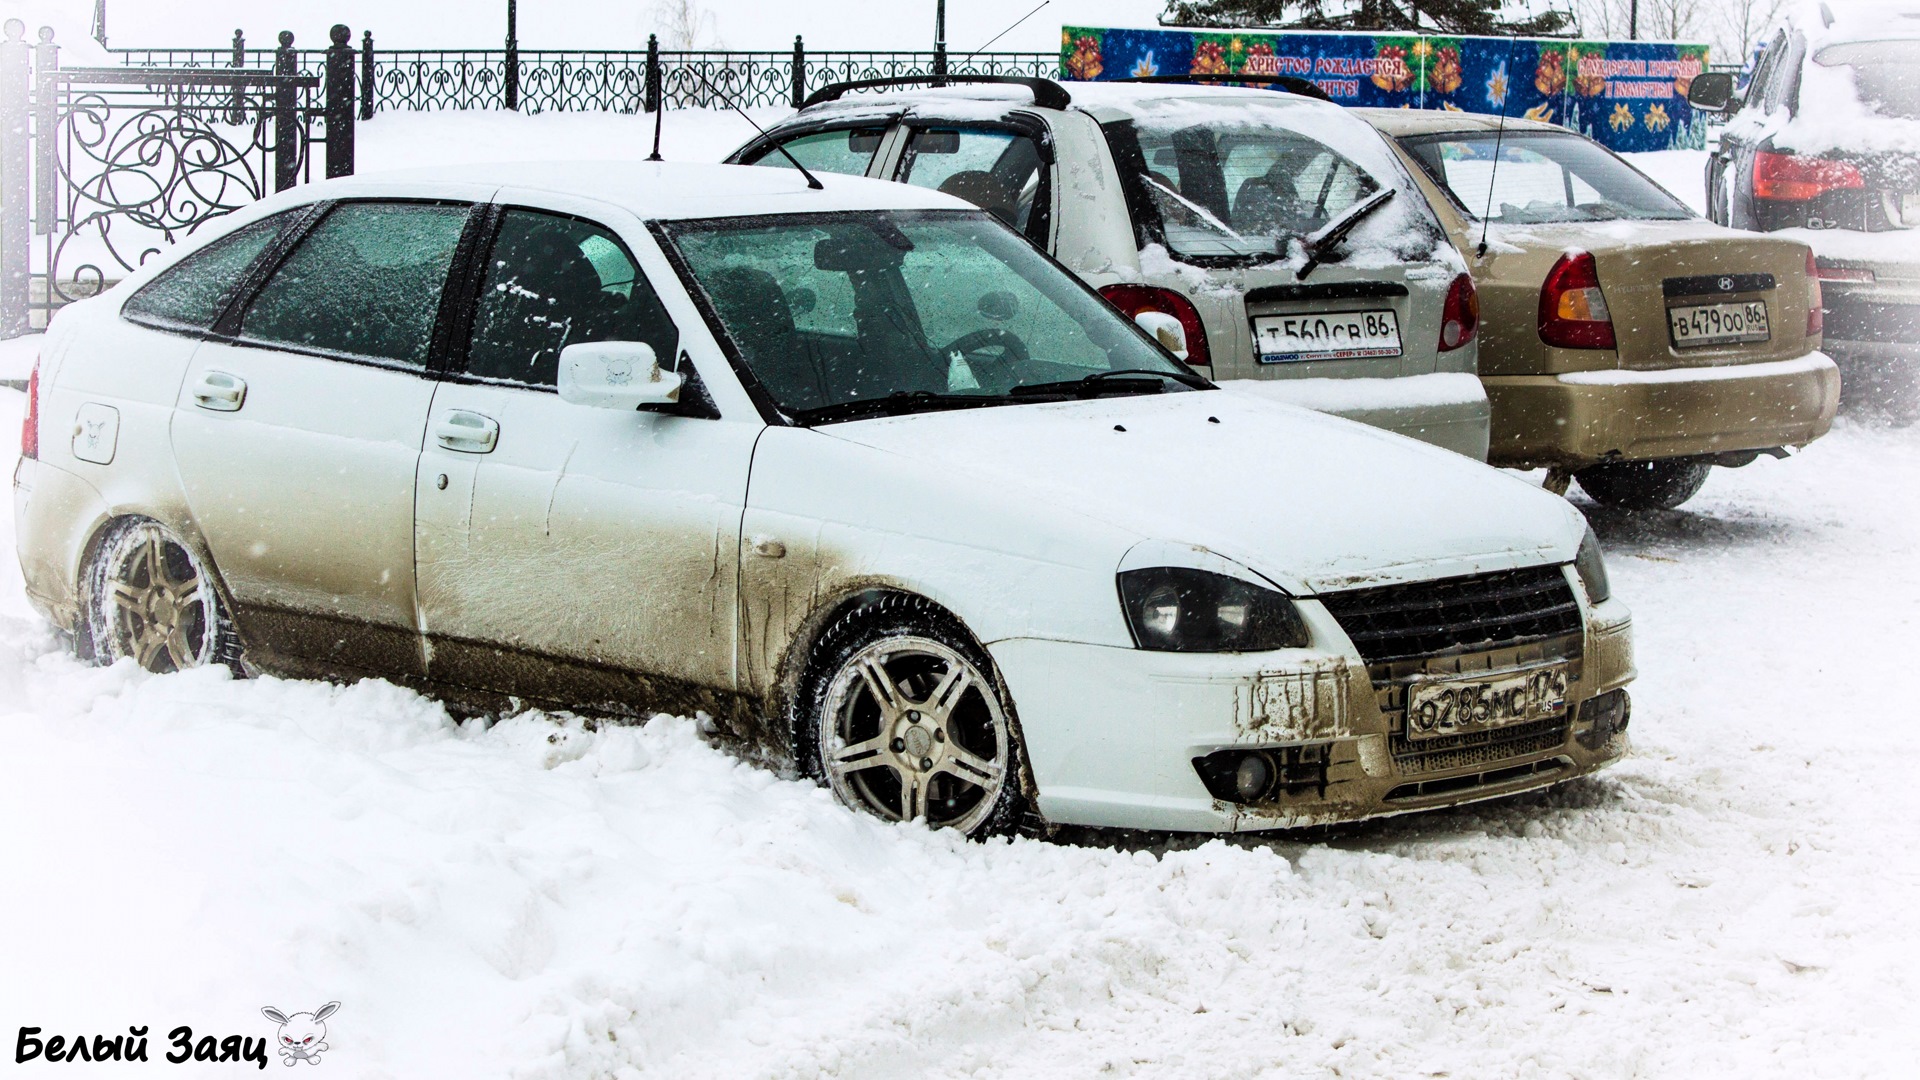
[898,403]
[1323,241]
[1096,383]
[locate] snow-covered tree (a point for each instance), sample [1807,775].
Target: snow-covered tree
[1444,16]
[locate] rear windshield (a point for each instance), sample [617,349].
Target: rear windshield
[1542,177]
[1247,181]
[1886,74]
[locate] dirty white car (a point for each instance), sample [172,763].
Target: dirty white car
[706,438]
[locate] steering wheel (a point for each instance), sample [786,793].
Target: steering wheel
[1012,350]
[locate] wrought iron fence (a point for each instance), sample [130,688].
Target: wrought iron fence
[597,80]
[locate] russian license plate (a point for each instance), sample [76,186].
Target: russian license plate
[1438,707]
[1346,335]
[1718,324]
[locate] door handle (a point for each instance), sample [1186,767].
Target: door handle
[467,432]
[219,391]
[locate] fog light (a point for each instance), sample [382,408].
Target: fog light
[1606,716]
[1251,778]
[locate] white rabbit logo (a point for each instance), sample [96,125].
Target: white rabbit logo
[303,1035]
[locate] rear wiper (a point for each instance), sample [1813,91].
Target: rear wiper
[1096,383]
[898,403]
[1323,241]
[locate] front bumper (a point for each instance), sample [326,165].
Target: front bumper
[1447,409]
[1585,417]
[1112,734]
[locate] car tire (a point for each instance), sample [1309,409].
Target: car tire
[1644,485]
[901,714]
[147,597]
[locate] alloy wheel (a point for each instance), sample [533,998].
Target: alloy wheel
[154,604]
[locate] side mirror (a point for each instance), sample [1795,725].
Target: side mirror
[616,375]
[1165,329]
[1712,91]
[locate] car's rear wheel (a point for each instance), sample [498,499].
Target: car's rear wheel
[901,716]
[1644,485]
[148,598]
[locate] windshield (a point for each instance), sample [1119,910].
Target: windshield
[1245,181]
[845,315]
[1885,73]
[1543,177]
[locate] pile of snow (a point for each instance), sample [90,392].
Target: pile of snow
[538,899]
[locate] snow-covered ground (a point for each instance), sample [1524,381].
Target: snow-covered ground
[533,899]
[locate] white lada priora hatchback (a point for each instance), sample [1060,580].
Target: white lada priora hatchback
[855,470]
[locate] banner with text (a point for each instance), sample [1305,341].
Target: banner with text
[1628,95]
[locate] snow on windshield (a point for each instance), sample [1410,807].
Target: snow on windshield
[1859,87]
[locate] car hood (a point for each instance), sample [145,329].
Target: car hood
[1311,502]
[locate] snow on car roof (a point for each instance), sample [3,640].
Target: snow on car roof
[1105,100]
[657,189]
[1855,20]
[1432,122]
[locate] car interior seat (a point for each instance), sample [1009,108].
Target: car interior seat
[755,311]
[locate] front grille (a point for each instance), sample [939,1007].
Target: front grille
[1455,615]
[1427,789]
[1444,752]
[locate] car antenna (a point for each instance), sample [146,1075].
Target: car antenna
[1498,135]
[1004,33]
[812,180]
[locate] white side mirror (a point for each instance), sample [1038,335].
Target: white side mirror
[616,375]
[1165,329]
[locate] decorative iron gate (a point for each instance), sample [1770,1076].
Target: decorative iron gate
[106,166]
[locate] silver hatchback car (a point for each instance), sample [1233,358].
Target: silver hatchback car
[1282,235]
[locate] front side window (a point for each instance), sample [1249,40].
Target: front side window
[1001,172]
[194,292]
[554,281]
[842,150]
[365,283]
[1542,177]
[844,315]
[1251,182]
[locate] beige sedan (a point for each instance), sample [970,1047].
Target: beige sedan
[1625,342]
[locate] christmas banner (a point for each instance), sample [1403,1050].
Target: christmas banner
[1628,95]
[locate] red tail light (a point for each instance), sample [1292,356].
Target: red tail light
[1461,317]
[1816,303]
[1134,299]
[30,426]
[1573,310]
[1795,178]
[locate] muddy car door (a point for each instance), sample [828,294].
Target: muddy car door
[568,552]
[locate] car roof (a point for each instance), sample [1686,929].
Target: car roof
[1855,20]
[1398,122]
[652,189]
[1104,100]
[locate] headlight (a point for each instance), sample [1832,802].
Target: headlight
[1172,609]
[1592,569]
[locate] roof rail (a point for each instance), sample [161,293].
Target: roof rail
[1290,83]
[1047,94]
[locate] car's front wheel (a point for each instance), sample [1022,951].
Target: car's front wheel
[148,598]
[902,717]
[1644,485]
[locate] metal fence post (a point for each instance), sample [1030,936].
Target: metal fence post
[237,112]
[46,168]
[340,103]
[366,75]
[513,55]
[799,71]
[16,243]
[653,72]
[286,118]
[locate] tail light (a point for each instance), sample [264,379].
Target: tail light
[1859,275]
[1133,300]
[1573,311]
[1461,317]
[30,426]
[1816,303]
[1795,178]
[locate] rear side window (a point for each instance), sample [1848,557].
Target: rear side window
[999,171]
[193,292]
[365,283]
[846,151]
[554,281]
